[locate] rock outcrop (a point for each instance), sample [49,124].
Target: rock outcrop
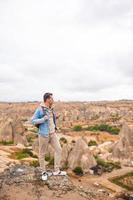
[73,113]
[13,130]
[81,156]
[6,132]
[23,182]
[75,155]
[123,149]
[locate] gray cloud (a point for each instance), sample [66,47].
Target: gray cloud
[79,50]
[111,12]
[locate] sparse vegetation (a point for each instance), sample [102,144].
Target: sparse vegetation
[104,127]
[49,159]
[3,142]
[77,128]
[24,153]
[30,140]
[99,127]
[107,166]
[125,181]
[34,163]
[92,143]
[63,139]
[78,171]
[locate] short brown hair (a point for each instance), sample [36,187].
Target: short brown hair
[46,96]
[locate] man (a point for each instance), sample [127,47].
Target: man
[45,118]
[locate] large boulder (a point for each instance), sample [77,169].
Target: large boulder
[123,148]
[81,156]
[87,161]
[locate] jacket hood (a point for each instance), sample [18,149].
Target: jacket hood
[42,104]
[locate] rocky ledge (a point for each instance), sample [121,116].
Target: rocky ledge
[23,182]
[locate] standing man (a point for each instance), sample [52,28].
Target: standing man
[45,119]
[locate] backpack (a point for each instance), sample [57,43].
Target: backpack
[44,113]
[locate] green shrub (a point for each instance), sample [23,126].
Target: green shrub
[92,143]
[47,157]
[30,140]
[28,151]
[77,128]
[92,128]
[20,155]
[104,127]
[24,153]
[51,161]
[63,139]
[78,171]
[34,163]
[3,142]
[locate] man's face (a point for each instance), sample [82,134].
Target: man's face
[51,100]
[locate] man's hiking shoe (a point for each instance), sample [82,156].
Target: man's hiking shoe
[49,173]
[59,173]
[46,174]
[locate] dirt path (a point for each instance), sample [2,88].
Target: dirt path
[104,179]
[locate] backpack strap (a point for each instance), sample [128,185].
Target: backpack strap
[44,110]
[54,119]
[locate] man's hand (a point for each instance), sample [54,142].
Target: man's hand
[45,117]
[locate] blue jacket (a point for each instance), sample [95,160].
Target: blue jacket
[38,118]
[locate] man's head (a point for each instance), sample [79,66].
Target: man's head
[48,99]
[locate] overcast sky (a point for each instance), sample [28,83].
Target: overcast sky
[76,49]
